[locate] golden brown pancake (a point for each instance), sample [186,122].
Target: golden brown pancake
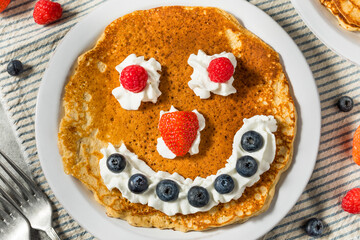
[350,10]
[93,117]
[345,20]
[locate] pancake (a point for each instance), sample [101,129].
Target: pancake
[345,21]
[350,10]
[93,117]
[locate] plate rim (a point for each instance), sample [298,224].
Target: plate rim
[326,28]
[40,120]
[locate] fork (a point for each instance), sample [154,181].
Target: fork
[13,225]
[31,201]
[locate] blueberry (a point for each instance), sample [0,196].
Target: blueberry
[252,141]
[167,190]
[116,162]
[246,166]
[314,227]
[345,104]
[198,196]
[14,67]
[224,184]
[138,183]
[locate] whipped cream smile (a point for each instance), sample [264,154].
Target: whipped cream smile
[254,149]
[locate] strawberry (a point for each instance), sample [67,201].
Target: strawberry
[3,4]
[46,12]
[351,201]
[179,130]
[220,70]
[356,146]
[134,78]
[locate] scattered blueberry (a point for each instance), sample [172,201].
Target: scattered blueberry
[138,183]
[116,162]
[224,184]
[252,141]
[246,166]
[314,227]
[345,104]
[198,196]
[167,190]
[14,67]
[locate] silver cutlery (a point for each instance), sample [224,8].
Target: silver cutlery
[13,225]
[27,198]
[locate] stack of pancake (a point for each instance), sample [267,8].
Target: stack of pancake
[93,117]
[346,11]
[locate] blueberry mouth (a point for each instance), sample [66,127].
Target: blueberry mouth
[116,163]
[246,166]
[224,184]
[138,183]
[167,190]
[252,141]
[198,196]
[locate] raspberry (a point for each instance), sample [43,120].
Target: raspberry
[3,4]
[179,130]
[356,146]
[134,78]
[351,201]
[46,12]
[220,70]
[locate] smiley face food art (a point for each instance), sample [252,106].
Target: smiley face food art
[242,127]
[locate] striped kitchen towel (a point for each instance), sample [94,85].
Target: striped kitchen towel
[334,174]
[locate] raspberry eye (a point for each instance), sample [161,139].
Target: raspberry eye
[220,70]
[134,78]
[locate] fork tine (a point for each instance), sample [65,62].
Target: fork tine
[29,181]
[16,168]
[15,199]
[16,181]
[16,203]
[2,213]
[13,225]
[13,191]
[5,214]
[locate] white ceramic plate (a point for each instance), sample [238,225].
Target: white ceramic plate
[78,201]
[326,27]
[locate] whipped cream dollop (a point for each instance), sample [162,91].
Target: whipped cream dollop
[165,152]
[200,82]
[264,125]
[131,101]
